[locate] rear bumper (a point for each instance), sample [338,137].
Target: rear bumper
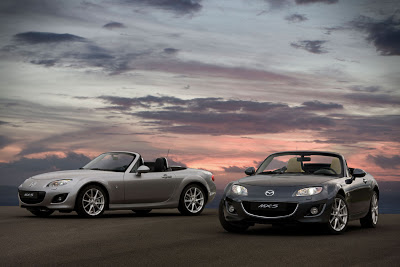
[299,213]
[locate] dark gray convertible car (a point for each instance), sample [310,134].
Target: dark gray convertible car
[304,187]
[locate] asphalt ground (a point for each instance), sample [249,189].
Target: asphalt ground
[165,238]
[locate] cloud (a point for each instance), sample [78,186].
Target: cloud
[317,105]
[15,172]
[181,7]
[113,25]
[217,116]
[45,62]
[5,141]
[310,46]
[46,37]
[234,169]
[384,34]
[368,89]
[385,162]
[170,50]
[302,2]
[374,99]
[296,18]
[277,4]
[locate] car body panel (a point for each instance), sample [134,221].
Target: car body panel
[125,190]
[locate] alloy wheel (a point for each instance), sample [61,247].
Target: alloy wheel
[93,202]
[194,200]
[339,215]
[374,209]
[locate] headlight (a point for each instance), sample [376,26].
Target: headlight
[239,190]
[309,191]
[59,183]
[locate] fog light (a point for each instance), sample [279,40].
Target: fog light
[231,209]
[314,210]
[59,198]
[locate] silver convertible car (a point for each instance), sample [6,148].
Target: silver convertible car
[117,181]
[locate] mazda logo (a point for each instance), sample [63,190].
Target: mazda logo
[269,193]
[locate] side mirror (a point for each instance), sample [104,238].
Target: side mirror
[142,169]
[358,173]
[250,171]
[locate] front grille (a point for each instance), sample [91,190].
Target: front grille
[269,209]
[34,197]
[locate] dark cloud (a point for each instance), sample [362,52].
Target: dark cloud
[302,2]
[46,37]
[374,99]
[170,50]
[296,18]
[385,34]
[3,122]
[277,4]
[45,62]
[217,116]
[5,141]
[385,162]
[177,6]
[368,89]
[234,169]
[15,172]
[114,25]
[351,129]
[310,46]
[317,105]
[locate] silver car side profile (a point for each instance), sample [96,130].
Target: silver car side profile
[118,180]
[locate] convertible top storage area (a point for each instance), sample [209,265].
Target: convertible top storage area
[161,165]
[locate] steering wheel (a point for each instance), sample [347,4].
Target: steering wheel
[326,168]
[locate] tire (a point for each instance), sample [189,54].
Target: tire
[228,226]
[91,201]
[40,212]
[141,212]
[192,200]
[371,219]
[339,217]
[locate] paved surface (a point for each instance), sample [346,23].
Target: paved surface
[166,238]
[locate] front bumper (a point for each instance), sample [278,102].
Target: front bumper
[296,211]
[46,198]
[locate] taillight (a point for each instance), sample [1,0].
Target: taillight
[212,177]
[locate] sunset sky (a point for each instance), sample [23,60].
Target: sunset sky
[221,84]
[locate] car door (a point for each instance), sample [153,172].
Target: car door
[358,195]
[149,187]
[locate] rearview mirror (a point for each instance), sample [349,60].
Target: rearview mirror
[142,169]
[358,173]
[250,171]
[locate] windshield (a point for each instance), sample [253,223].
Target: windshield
[299,164]
[113,161]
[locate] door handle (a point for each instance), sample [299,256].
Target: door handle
[166,176]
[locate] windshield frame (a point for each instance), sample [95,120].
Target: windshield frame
[268,160]
[134,157]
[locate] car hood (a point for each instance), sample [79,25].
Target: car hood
[285,180]
[76,174]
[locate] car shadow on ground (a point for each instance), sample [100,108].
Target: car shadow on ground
[296,230]
[110,215]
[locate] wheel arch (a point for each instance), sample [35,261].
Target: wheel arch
[94,183]
[376,189]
